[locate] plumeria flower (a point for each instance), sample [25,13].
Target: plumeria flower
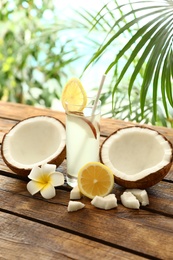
[45,179]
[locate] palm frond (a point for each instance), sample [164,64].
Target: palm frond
[149,49]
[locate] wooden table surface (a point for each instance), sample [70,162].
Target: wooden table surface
[34,228]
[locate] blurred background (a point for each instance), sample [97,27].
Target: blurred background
[43,43]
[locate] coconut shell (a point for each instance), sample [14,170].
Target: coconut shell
[25,171]
[149,180]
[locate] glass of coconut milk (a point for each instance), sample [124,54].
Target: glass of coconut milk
[82,138]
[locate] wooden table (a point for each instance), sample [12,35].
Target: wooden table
[34,228]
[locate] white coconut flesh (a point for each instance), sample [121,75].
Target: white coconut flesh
[135,152]
[34,141]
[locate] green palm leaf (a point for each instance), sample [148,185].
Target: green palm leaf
[122,29]
[135,52]
[156,80]
[150,49]
[159,41]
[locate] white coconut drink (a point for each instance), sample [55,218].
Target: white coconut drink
[138,156]
[33,142]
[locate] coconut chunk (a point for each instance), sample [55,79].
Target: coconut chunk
[98,202]
[129,200]
[75,205]
[107,202]
[75,194]
[141,195]
[111,201]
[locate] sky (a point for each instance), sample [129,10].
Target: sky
[74,4]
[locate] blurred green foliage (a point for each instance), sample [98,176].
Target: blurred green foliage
[32,59]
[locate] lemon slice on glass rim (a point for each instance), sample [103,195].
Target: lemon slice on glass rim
[74,97]
[95,179]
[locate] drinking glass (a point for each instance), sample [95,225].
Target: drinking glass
[82,137]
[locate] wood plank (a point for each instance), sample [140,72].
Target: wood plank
[115,124]
[160,195]
[24,239]
[137,230]
[16,111]
[19,112]
[148,230]
[6,125]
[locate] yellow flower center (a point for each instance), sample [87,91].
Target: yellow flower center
[45,179]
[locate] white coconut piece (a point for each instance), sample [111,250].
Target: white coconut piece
[75,194]
[129,200]
[98,202]
[33,142]
[141,195]
[75,205]
[138,156]
[107,202]
[111,201]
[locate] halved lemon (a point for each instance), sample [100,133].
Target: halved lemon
[94,178]
[74,97]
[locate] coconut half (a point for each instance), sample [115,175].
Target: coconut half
[138,156]
[34,142]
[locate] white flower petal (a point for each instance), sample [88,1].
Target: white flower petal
[48,191]
[48,168]
[35,173]
[33,187]
[57,179]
